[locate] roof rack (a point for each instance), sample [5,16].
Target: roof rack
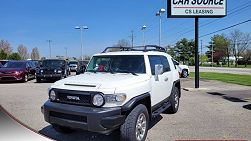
[135,48]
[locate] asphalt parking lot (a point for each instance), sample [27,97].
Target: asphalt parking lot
[220,112]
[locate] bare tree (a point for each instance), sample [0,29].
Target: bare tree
[5,47]
[35,54]
[122,43]
[23,52]
[239,43]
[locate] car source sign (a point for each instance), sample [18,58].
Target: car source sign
[197,8]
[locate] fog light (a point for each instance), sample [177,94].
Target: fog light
[52,95]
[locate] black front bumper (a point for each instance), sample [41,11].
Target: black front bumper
[101,120]
[46,76]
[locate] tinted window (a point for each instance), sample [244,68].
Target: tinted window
[15,65]
[53,63]
[165,63]
[154,60]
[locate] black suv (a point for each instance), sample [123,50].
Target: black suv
[52,69]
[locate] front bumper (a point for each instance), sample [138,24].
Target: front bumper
[4,78]
[101,120]
[45,76]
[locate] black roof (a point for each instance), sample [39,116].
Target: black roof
[137,48]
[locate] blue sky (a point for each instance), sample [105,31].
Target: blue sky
[32,22]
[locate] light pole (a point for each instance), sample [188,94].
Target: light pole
[66,52]
[143,31]
[49,41]
[81,36]
[159,14]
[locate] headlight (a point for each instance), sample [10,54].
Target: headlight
[98,100]
[18,72]
[59,71]
[110,98]
[41,71]
[52,95]
[55,71]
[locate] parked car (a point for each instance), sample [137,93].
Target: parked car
[121,90]
[3,62]
[52,69]
[81,67]
[17,71]
[183,69]
[73,65]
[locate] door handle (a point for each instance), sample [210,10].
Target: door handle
[166,79]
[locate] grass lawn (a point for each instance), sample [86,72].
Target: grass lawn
[225,77]
[230,66]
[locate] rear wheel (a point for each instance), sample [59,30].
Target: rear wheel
[62,129]
[136,125]
[184,73]
[175,101]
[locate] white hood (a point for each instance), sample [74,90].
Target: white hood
[96,81]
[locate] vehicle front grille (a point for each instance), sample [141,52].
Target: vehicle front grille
[69,116]
[74,97]
[48,72]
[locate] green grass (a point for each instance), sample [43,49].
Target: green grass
[225,77]
[225,66]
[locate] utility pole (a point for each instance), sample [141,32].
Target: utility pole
[49,41]
[212,54]
[201,51]
[132,37]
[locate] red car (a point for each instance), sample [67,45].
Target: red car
[17,71]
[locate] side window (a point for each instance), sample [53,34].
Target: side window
[27,65]
[165,63]
[154,60]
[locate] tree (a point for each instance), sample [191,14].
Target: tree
[122,43]
[239,43]
[5,46]
[247,56]
[14,56]
[23,52]
[219,44]
[186,50]
[3,55]
[172,51]
[35,54]
[203,59]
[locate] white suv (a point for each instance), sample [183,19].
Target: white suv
[120,90]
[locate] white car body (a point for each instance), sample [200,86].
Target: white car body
[182,69]
[125,83]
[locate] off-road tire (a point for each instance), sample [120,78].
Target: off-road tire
[173,99]
[128,129]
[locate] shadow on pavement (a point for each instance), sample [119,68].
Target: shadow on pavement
[81,135]
[247,106]
[229,98]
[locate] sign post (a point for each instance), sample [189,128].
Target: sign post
[196,9]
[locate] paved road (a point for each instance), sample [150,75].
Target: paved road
[221,112]
[223,70]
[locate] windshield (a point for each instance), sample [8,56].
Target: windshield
[75,63]
[15,65]
[117,64]
[53,63]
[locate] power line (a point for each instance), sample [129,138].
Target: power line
[226,28]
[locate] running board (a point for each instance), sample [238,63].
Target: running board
[161,109]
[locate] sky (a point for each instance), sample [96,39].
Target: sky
[33,22]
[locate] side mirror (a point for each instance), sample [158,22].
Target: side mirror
[158,71]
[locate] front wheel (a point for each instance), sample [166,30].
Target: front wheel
[25,79]
[136,125]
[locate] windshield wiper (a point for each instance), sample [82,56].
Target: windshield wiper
[126,71]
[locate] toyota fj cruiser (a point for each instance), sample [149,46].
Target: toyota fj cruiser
[121,90]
